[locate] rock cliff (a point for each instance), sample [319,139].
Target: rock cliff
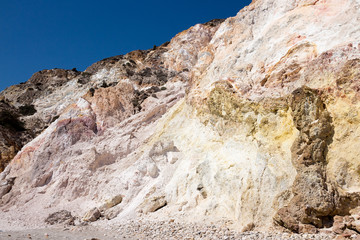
[254,120]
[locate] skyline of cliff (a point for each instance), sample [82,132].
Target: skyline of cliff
[40,35]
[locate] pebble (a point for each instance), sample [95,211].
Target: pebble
[174,230]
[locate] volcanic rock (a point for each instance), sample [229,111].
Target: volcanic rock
[92,215]
[5,186]
[63,217]
[252,120]
[153,204]
[109,203]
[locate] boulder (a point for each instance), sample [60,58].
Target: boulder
[307,228]
[60,217]
[111,202]
[153,204]
[153,170]
[172,157]
[5,186]
[92,215]
[356,225]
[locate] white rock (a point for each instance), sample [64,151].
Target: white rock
[172,157]
[152,170]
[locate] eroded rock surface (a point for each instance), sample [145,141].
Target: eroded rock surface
[123,95]
[314,198]
[13,135]
[60,217]
[254,120]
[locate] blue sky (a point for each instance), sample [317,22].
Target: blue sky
[46,34]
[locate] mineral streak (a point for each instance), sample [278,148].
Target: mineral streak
[253,120]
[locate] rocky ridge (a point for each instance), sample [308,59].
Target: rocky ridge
[246,119]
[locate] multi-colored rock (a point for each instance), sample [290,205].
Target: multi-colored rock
[254,120]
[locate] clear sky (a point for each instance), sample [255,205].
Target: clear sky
[46,34]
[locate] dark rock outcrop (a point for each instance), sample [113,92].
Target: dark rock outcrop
[13,134]
[17,103]
[60,217]
[314,198]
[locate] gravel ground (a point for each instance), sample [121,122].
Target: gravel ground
[72,233]
[173,230]
[149,230]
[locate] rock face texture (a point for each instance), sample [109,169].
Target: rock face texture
[13,135]
[315,205]
[254,120]
[28,108]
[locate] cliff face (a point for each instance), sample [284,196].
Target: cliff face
[254,120]
[28,108]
